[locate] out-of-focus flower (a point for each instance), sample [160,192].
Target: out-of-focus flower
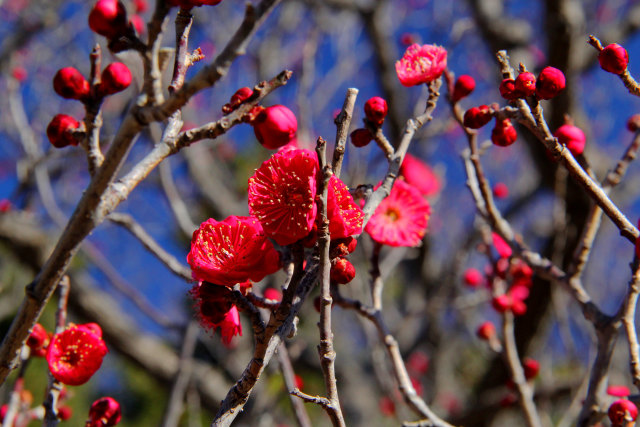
[420,175]
[421,64]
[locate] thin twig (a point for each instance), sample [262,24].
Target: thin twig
[55,387]
[173,410]
[343,121]
[302,418]
[171,262]
[325,347]
[517,372]
[628,314]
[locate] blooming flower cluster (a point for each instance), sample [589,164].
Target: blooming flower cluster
[282,205]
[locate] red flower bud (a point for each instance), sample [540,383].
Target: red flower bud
[376,110]
[38,340]
[622,410]
[473,278]
[387,407]
[361,137]
[550,83]
[108,18]
[104,412]
[500,190]
[476,117]
[64,413]
[614,59]
[59,131]
[501,303]
[531,368]
[463,87]
[70,84]
[508,90]
[418,362]
[237,99]
[572,137]
[272,294]
[275,126]
[633,124]
[503,134]
[115,78]
[618,391]
[141,6]
[342,271]
[526,84]
[486,330]
[137,22]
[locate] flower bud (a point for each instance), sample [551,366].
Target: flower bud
[473,278]
[618,391]
[376,110]
[500,190]
[476,117]
[64,413]
[104,412]
[613,58]
[272,294]
[38,340]
[486,331]
[275,126]
[59,130]
[342,271]
[361,137]
[70,84]
[531,368]
[137,23]
[108,18]
[115,78]
[237,99]
[503,134]
[141,6]
[621,411]
[463,87]
[526,84]
[550,83]
[508,90]
[633,124]
[501,303]
[572,137]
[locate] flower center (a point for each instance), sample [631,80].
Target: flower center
[393,214]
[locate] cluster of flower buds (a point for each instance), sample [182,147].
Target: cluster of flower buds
[69,83]
[550,82]
[375,111]
[342,271]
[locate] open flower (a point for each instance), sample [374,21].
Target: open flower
[345,217]
[75,354]
[401,219]
[231,251]
[215,309]
[281,195]
[421,64]
[420,175]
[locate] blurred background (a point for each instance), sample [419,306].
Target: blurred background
[330,45]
